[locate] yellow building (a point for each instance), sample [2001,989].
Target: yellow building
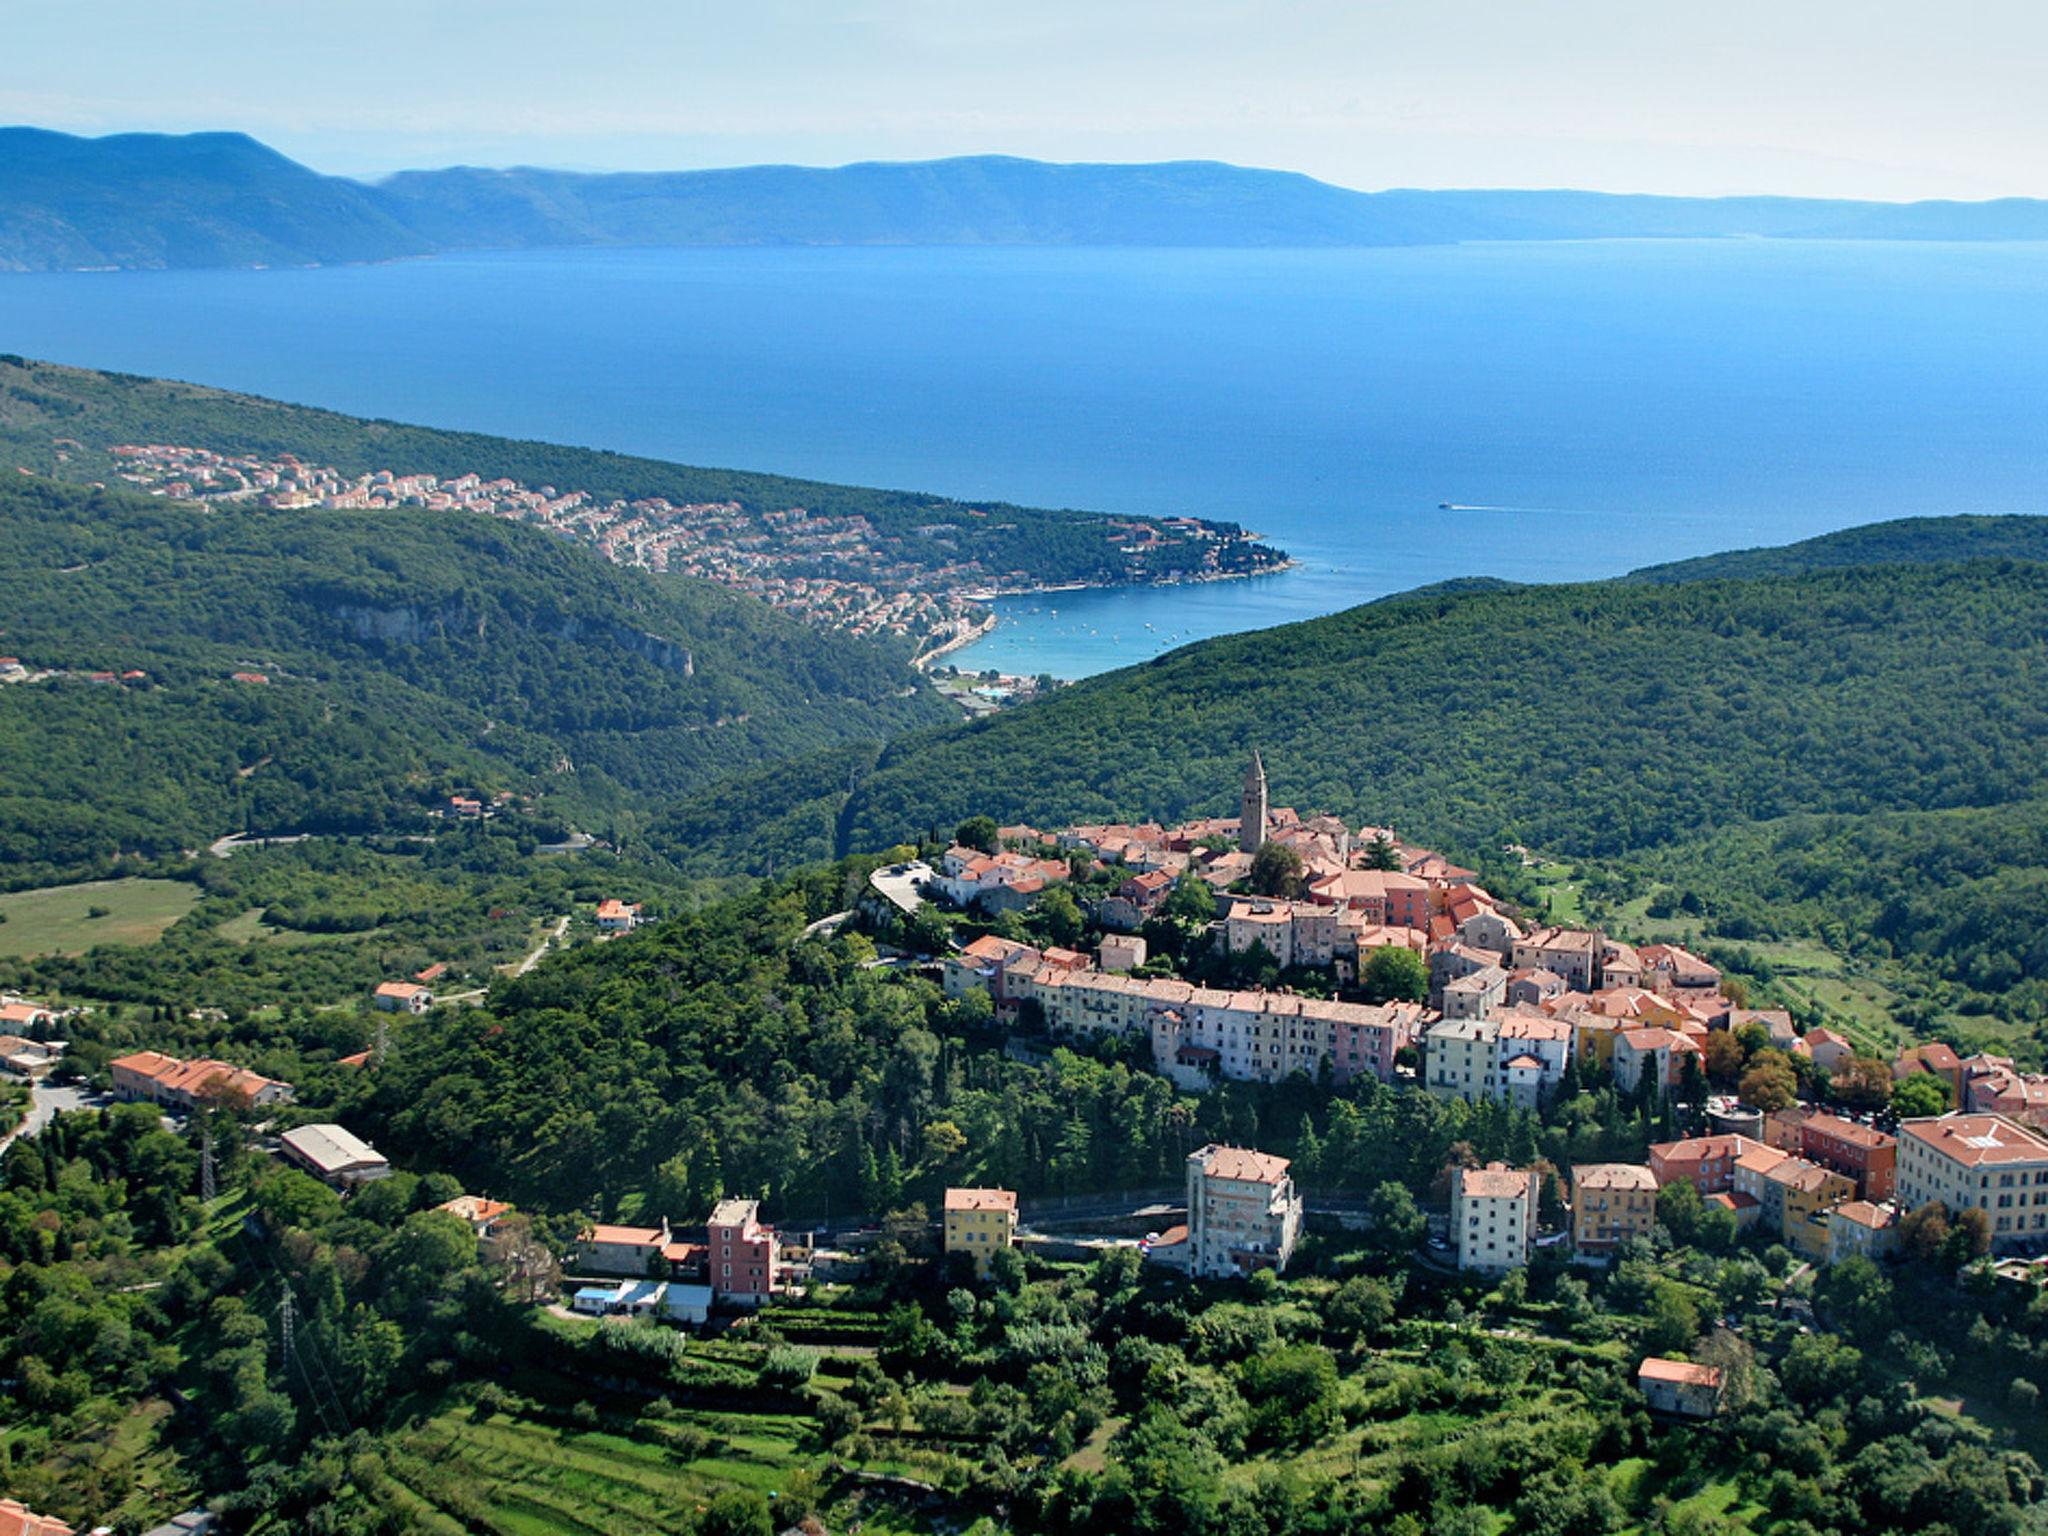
[1611,1203]
[978,1222]
[1810,1192]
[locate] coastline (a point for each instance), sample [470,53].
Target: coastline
[924,660]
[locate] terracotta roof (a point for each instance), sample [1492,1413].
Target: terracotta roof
[981,1200]
[1681,1372]
[1242,1163]
[1865,1214]
[18,1519]
[1613,1176]
[1978,1140]
[474,1208]
[633,1237]
[406,989]
[1847,1130]
[1496,1181]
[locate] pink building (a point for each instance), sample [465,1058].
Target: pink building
[743,1252]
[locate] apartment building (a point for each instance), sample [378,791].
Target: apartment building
[1244,1212]
[1611,1203]
[1493,1217]
[978,1223]
[743,1254]
[1978,1162]
[1868,1156]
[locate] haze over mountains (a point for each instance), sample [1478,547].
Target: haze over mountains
[223,199]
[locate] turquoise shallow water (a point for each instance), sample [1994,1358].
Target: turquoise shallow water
[1598,405]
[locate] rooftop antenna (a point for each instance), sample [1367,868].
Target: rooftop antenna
[206,1187]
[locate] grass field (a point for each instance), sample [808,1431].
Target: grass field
[54,920]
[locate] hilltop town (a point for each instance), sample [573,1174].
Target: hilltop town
[1380,1101]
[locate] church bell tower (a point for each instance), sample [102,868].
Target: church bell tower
[1251,826]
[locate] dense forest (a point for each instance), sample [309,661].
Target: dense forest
[61,421]
[403,656]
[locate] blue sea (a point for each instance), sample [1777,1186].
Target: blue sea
[1586,407]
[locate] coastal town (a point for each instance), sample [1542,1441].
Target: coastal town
[836,570]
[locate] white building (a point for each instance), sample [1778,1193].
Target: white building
[1493,1217]
[1244,1212]
[1978,1162]
[329,1152]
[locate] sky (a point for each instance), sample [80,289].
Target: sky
[1847,98]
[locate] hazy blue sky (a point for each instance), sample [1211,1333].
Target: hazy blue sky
[1880,98]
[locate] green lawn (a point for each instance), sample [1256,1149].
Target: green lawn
[54,921]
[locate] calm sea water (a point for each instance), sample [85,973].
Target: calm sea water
[1592,407]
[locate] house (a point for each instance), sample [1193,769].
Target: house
[1611,1203]
[19,1520]
[1829,1049]
[481,1214]
[615,916]
[1655,1053]
[1866,1155]
[161,1079]
[1707,1163]
[605,1249]
[1674,971]
[1461,1059]
[1244,1212]
[744,1253]
[1532,989]
[1120,952]
[1679,1387]
[331,1153]
[1573,953]
[29,1058]
[1476,995]
[193,1522]
[1753,1167]
[19,1013]
[402,997]
[978,1222]
[1978,1162]
[1493,1217]
[1937,1059]
[1806,1193]
[1861,1228]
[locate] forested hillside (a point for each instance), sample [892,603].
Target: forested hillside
[402,655]
[1844,746]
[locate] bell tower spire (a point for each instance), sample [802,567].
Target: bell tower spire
[1251,826]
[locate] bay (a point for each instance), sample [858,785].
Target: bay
[1586,408]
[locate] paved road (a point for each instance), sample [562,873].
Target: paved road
[47,1102]
[546,944]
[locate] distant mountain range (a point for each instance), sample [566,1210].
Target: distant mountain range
[223,199]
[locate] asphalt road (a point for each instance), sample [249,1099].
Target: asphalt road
[48,1102]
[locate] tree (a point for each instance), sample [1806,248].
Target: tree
[736,1512]
[978,832]
[1059,915]
[1191,902]
[1918,1096]
[1862,1082]
[1674,1321]
[1382,855]
[1770,1084]
[1724,1056]
[1292,1391]
[1276,871]
[1923,1231]
[1818,1367]
[1679,1207]
[1360,1307]
[1859,1297]
[1397,1222]
[1395,973]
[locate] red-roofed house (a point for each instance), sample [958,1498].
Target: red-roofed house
[1680,1387]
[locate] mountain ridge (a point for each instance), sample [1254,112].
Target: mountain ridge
[225,199]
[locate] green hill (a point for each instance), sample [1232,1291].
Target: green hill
[57,420]
[1844,746]
[406,654]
